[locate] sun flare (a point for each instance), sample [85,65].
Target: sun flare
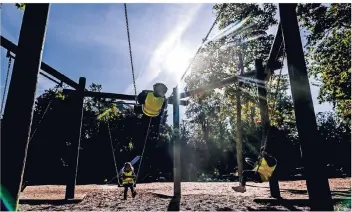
[177,60]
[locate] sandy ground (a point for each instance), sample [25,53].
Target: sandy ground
[195,197]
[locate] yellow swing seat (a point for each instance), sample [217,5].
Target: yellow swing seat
[264,170]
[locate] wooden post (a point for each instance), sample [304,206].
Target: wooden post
[311,144]
[263,106]
[77,116]
[239,135]
[239,153]
[17,119]
[176,131]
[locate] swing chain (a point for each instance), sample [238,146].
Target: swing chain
[45,111]
[130,50]
[204,40]
[113,154]
[264,143]
[145,142]
[8,55]
[140,163]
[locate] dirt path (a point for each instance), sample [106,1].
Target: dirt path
[195,197]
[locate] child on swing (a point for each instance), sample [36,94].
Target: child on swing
[261,174]
[153,104]
[267,163]
[129,178]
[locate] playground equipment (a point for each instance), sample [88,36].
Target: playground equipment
[25,74]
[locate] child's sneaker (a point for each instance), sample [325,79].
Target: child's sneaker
[239,188]
[134,194]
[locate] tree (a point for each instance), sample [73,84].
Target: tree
[328,52]
[337,135]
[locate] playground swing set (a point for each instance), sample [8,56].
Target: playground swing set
[15,135]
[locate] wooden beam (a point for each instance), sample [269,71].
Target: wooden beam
[312,145]
[125,97]
[15,134]
[212,86]
[219,84]
[48,77]
[45,67]
[76,115]
[272,64]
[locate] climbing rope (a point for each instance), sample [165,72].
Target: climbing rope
[6,80]
[145,141]
[130,50]
[204,40]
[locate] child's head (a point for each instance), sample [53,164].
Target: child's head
[160,89]
[128,167]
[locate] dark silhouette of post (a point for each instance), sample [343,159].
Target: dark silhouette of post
[18,113]
[311,145]
[239,129]
[177,150]
[76,121]
[264,114]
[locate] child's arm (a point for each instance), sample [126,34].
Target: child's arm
[142,96]
[123,175]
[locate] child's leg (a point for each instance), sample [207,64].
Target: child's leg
[246,174]
[252,175]
[244,177]
[133,191]
[125,192]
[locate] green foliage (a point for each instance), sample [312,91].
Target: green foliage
[108,113]
[21,6]
[328,50]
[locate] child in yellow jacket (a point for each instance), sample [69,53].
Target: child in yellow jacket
[128,180]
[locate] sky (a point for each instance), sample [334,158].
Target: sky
[90,40]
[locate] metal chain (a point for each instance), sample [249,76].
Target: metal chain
[140,163]
[264,142]
[45,111]
[205,39]
[113,155]
[130,50]
[6,81]
[145,142]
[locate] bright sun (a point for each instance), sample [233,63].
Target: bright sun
[177,60]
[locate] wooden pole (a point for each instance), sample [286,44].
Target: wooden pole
[17,119]
[176,131]
[45,67]
[263,106]
[239,135]
[77,115]
[311,144]
[116,96]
